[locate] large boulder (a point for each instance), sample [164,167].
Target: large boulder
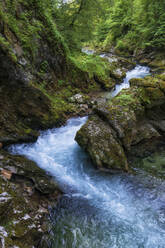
[102,144]
[130,125]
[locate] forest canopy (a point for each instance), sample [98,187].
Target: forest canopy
[126,25]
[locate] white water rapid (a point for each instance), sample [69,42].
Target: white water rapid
[138,72]
[98,210]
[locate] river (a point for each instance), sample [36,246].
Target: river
[98,210]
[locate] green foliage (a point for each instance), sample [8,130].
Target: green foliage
[5,46]
[61,82]
[77,20]
[59,100]
[137,24]
[127,25]
[29,22]
[92,64]
[125,99]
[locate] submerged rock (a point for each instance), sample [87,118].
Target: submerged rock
[130,125]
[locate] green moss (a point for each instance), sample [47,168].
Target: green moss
[92,64]
[6,47]
[149,89]
[144,97]
[28,131]
[154,94]
[125,99]
[28,23]
[146,82]
[162,84]
[59,101]
[161,76]
[158,62]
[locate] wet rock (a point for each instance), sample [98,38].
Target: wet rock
[14,139]
[83,109]
[102,144]
[155,60]
[118,74]
[26,193]
[106,84]
[21,169]
[129,125]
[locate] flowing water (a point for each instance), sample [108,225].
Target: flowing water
[98,210]
[138,72]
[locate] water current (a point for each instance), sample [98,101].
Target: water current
[138,72]
[98,210]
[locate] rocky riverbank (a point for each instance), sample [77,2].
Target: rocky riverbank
[26,193]
[130,125]
[40,87]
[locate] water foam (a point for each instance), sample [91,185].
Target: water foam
[98,210]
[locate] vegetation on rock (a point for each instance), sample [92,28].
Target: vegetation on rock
[131,121]
[26,192]
[37,72]
[45,78]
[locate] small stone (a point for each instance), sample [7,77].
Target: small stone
[7,174]
[78,98]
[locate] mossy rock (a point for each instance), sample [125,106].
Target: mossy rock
[156,97]
[150,82]
[162,85]
[24,201]
[28,170]
[106,84]
[36,67]
[117,72]
[125,125]
[160,63]
[105,151]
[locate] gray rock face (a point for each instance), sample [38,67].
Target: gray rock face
[130,125]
